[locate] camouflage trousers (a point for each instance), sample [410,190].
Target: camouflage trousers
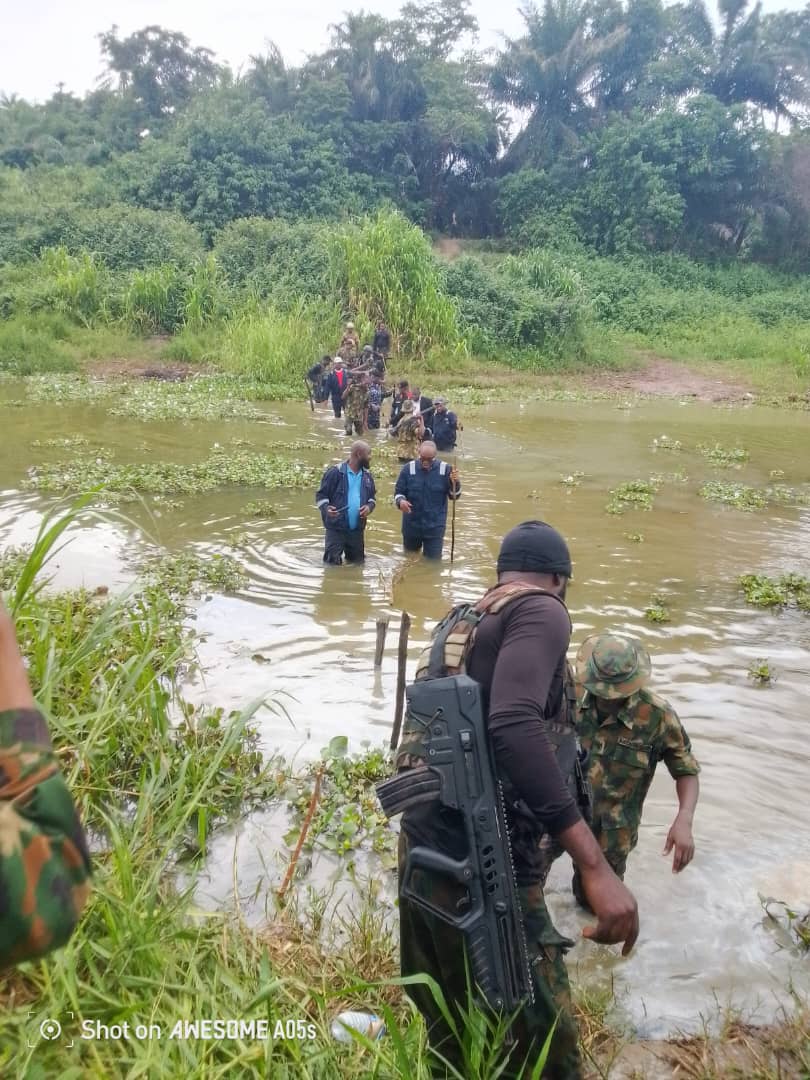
[616,845]
[429,946]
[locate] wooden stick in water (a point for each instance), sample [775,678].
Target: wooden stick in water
[382,630]
[402,659]
[313,802]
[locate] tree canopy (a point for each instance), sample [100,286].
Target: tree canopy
[628,125]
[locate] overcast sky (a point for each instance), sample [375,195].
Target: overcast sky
[44,42]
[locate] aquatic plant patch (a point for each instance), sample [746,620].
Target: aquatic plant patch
[572,480]
[201,398]
[260,508]
[657,611]
[761,672]
[724,457]
[66,442]
[741,496]
[633,495]
[348,816]
[664,442]
[223,468]
[763,591]
[70,389]
[182,574]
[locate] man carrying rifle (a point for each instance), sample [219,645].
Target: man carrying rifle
[516,655]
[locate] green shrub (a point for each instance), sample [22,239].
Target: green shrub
[29,346]
[284,260]
[526,310]
[130,237]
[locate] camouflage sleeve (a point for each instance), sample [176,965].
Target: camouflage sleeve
[677,749]
[44,862]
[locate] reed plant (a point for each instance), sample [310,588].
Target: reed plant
[383,267]
[277,346]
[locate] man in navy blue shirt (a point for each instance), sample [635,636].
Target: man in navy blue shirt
[345,499]
[421,495]
[444,425]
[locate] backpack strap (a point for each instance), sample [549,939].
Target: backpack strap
[461,638]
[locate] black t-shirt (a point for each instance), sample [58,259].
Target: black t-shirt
[519,660]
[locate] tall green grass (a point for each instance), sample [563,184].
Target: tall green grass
[277,346]
[384,268]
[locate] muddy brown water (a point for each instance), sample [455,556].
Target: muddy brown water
[305,634]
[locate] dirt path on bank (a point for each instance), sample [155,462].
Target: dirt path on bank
[668,378]
[655,376]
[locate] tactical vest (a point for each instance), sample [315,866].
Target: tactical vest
[447,654]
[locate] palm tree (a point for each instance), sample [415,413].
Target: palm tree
[550,73]
[271,79]
[750,60]
[384,87]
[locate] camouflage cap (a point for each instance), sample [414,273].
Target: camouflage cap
[612,665]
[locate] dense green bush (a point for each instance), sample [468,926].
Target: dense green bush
[277,346]
[533,305]
[130,237]
[273,257]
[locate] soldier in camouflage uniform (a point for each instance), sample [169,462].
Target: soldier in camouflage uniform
[409,431]
[627,730]
[44,863]
[355,404]
[349,344]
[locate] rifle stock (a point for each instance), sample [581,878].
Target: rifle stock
[461,777]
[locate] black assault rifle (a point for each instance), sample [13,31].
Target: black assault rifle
[460,775]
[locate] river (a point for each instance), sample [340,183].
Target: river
[305,635]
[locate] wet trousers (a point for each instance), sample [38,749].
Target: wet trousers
[428,945]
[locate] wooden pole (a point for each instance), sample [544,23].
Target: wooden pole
[402,659]
[382,630]
[309,394]
[313,802]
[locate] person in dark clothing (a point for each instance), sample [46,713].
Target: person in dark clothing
[518,658]
[345,499]
[423,406]
[381,343]
[421,495]
[336,384]
[403,394]
[376,395]
[444,425]
[318,375]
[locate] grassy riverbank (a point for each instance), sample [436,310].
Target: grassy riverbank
[254,309]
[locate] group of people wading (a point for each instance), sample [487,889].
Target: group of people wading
[354,382]
[574,749]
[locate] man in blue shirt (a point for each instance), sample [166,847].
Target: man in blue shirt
[421,495]
[345,499]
